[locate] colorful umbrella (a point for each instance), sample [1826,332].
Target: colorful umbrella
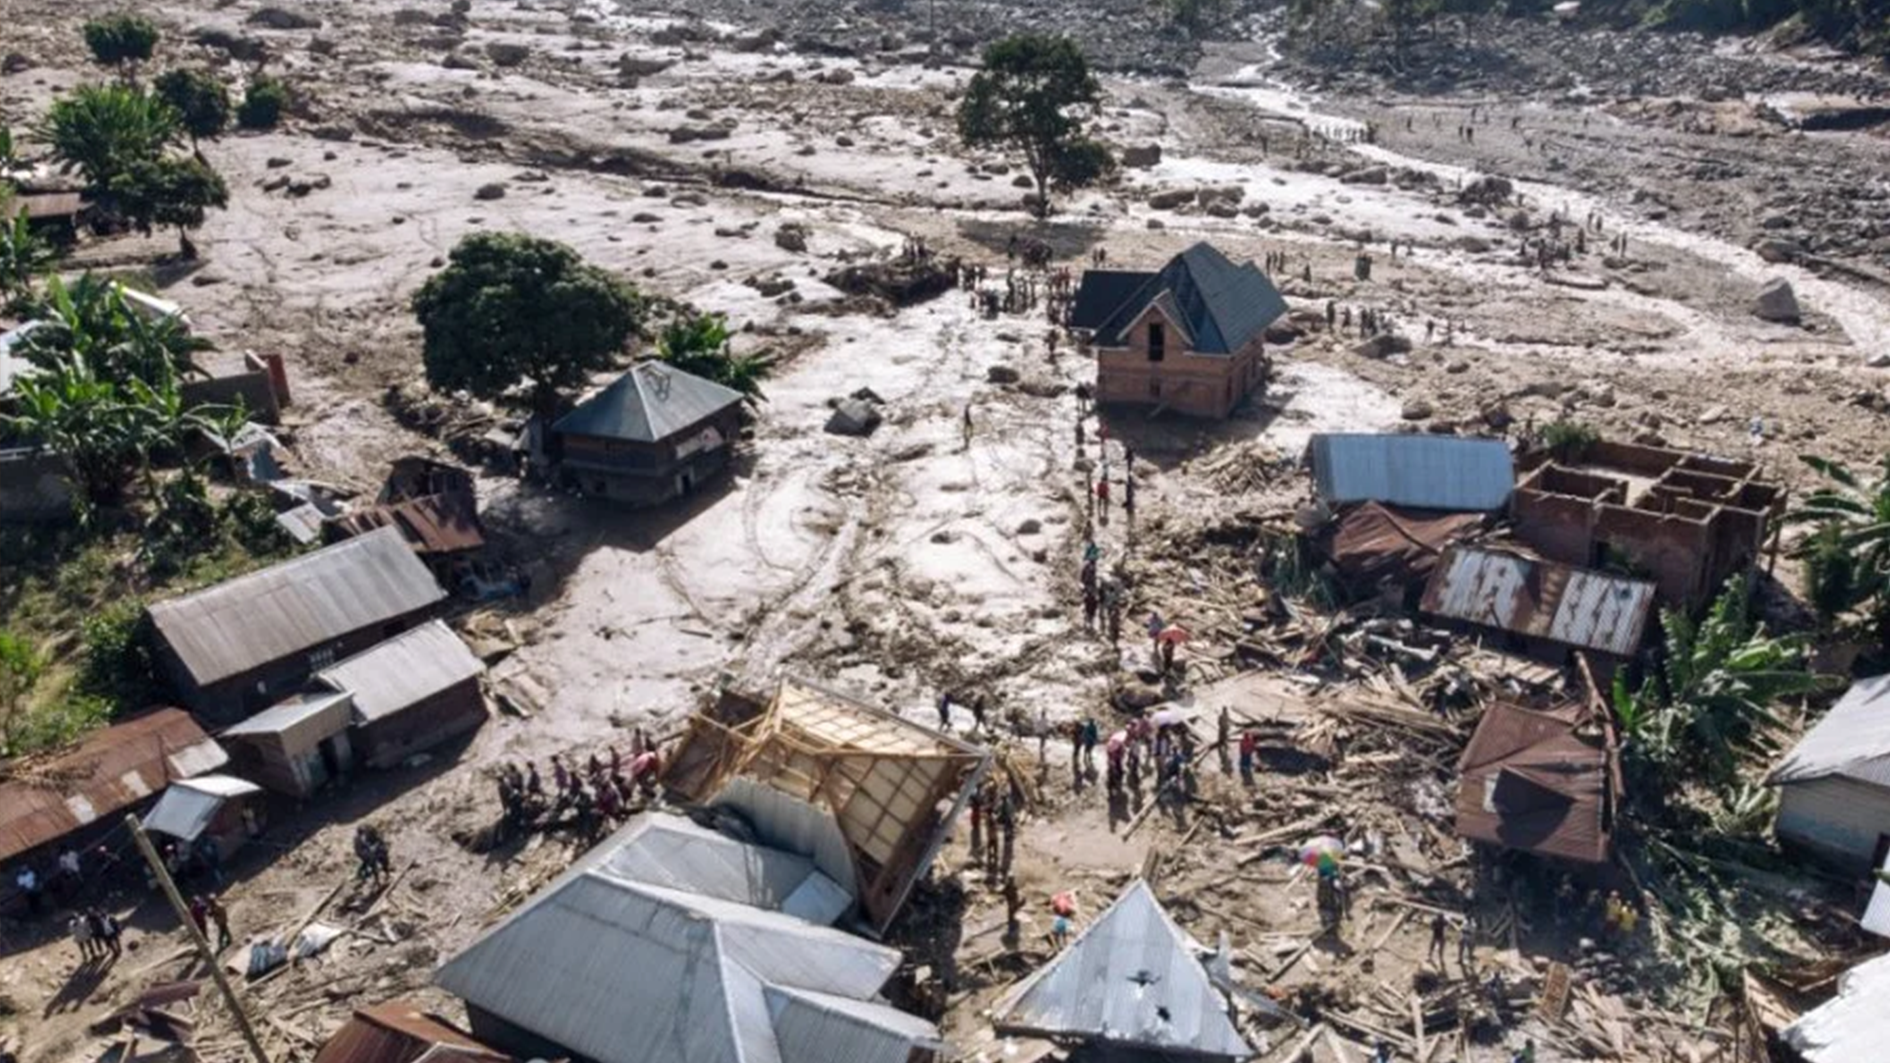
[1323,852]
[1172,633]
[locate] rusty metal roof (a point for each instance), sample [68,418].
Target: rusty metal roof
[400,1031]
[435,524]
[296,606]
[1535,782]
[107,772]
[1540,599]
[1374,542]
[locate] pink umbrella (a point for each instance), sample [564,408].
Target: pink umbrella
[1173,633]
[1117,741]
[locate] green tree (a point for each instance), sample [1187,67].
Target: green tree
[200,100]
[169,192]
[21,666]
[120,40]
[1848,556]
[263,104]
[1033,97]
[699,344]
[103,130]
[511,308]
[23,258]
[89,319]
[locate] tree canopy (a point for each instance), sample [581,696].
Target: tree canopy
[263,103]
[511,309]
[200,100]
[1033,97]
[169,192]
[699,344]
[102,130]
[121,38]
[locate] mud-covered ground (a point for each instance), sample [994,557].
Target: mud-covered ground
[909,562]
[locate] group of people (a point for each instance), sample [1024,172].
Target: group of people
[373,858]
[590,797]
[206,911]
[993,811]
[97,934]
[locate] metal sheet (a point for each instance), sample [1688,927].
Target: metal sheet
[404,671]
[649,403]
[676,854]
[1445,473]
[1852,740]
[107,772]
[299,722]
[1131,980]
[1852,1026]
[188,806]
[1540,599]
[400,1031]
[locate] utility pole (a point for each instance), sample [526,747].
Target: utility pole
[209,956]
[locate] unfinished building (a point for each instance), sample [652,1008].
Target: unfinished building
[816,771]
[1688,522]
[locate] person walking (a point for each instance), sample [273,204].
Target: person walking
[1249,745]
[220,916]
[1090,605]
[105,930]
[944,710]
[967,422]
[977,713]
[1091,733]
[1438,926]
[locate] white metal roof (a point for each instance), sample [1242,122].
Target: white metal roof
[1852,1026]
[188,805]
[403,671]
[1573,606]
[301,720]
[1853,739]
[1407,469]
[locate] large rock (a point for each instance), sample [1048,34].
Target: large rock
[1368,175]
[1383,345]
[281,18]
[1141,156]
[1778,249]
[1776,302]
[1170,198]
[1417,410]
[1001,374]
[1472,243]
[505,53]
[852,417]
[791,236]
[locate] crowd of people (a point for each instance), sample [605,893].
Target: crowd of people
[588,798]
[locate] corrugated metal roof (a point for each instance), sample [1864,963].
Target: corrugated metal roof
[1853,739]
[676,854]
[818,1027]
[1532,781]
[109,771]
[1372,542]
[1852,1026]
[1449,473]
[1101,293]
[400,1031]
[1221,305]
[301,720]
[189,805]
[628,973]
[1130,979]
[295,606]
[1540,599]
[435,524]
[651,401]
[403,671]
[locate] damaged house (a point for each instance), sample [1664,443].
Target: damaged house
[239,647]
[400,1031]
[1190,337]
[1687,522]
[1131,985]
[1540,608]
[1543,782]
[674,943]
[818,771]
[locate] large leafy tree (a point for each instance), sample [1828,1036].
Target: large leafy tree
[1034,96]
[699,344]
[91,422]
[511,309]
[169,192]
[104,130]
[201,101]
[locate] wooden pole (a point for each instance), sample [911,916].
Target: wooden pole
[197,939]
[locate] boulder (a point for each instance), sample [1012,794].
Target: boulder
[791,237]
[1383,345]
[504,53]
[1001,374]
[852,417]
[1472,243]
[1140,156]
[1417,410]
[1030,526]
[1778,249]
[281,18]
[490,190]
[1367,175]
[1170,198]
[237,47]
[15,63]
[1776,302]
[835,75]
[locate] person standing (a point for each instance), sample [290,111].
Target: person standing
[1007,827]
[81,931]
[977,713]
[1249,745]
[30,888]
[220,916]
[1224,740]
[1090,604]
[944,710]
[1467,942]
[977,825]
[1091,733]
[105,930]
[200,914]
[1438,926]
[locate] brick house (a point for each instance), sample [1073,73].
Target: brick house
[1188,338]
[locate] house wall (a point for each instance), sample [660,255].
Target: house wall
[1199,385]
[509,1037]
[263,760]
[255,389]
[452,712]
[1834,819]
[646,474]
[242,696]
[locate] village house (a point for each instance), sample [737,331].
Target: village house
[72,798]
[1688,522]
[236,648]
[222,808]
[296,746]
[1834,785]
[1190,337]
[654,434]
[410,693]
[1544,782]
[401,1031]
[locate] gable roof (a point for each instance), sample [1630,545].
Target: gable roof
[1221,305]
[1530,781]
[1450,473]
[651,401]
[295,606]
[1852,741]
[1850,1026]
[110,770]
[1131,979]
[403,671]
[620,970]
[1101,293]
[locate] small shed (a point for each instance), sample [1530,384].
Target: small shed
[410,693]
[654,434]
[1834,786]
[226,809]
[296,746]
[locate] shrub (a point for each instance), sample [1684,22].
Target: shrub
[116,662]
[122,38]
[1569,440]
[263,104]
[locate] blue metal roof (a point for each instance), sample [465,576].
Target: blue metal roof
[1221,305]
[1422,471]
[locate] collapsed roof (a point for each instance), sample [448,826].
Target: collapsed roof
[1539,782]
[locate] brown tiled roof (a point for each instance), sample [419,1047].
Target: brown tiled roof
[1535,781]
